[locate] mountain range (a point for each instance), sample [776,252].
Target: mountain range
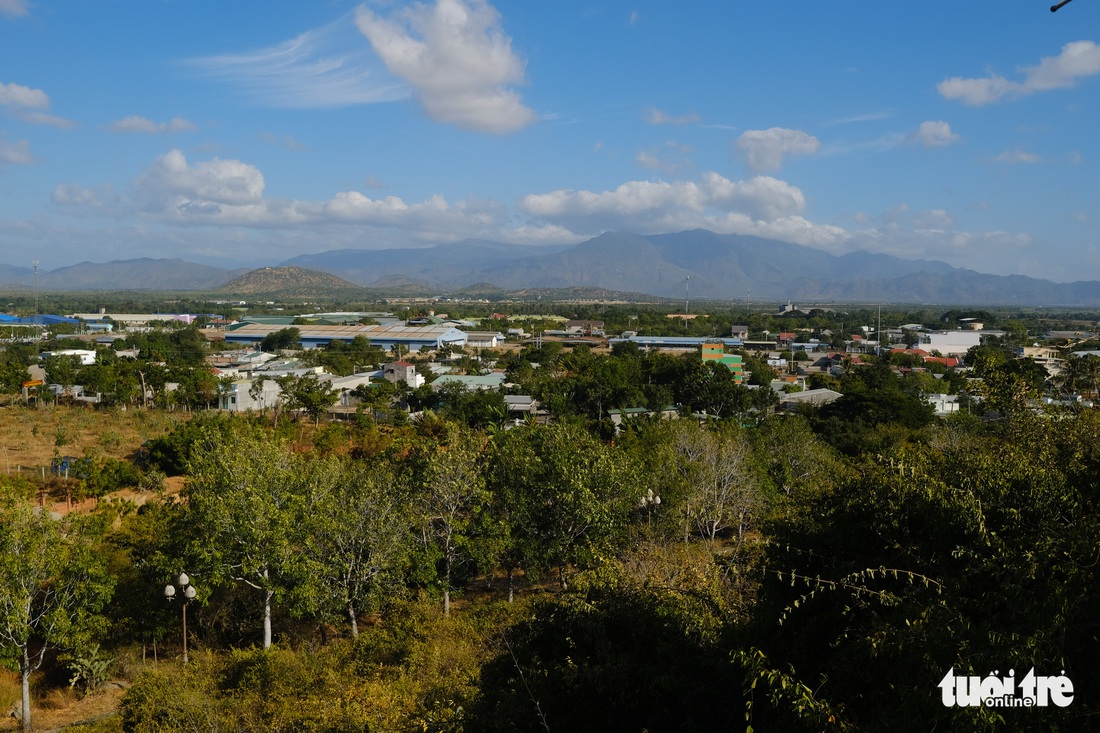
[696,264]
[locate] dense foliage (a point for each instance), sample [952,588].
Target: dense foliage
[711,566]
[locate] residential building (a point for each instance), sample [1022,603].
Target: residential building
[791,400]
[85,356]
[717,353]
[491,381]
[484,339]
[402,371]
[950,343]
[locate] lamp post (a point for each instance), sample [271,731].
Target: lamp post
[189,593]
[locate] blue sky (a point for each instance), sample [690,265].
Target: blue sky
[248,132]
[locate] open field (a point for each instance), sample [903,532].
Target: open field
[31,437]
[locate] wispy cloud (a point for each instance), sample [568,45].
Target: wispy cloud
[458,58]
[148,127]
[655,116]
[1077,60]
[283,141]
[670,158]
[1015,157]
[321,68]
[16,153]
[14,8]
[868,117]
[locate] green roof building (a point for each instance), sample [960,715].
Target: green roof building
[717,352]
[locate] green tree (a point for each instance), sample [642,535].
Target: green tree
[723,491]
[359,532]
[245,503]
[52,586]
[284,338]
[307,393]
[569,494]
[453,491]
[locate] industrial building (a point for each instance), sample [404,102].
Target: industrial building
[312,337]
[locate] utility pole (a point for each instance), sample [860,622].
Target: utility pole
[36,291]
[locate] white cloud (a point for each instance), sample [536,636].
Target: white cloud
[934,234]
[713,202]
[322,68]
[14,8]
[1077,60]
[16,153]
[459,60]
[226,199]
[1013,157]
[934,134]
[18,96]
[148,127]
[655,116]
[214,182]
[30,105]
[764,150]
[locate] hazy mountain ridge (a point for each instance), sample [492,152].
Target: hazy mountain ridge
[138,274]
[692,264]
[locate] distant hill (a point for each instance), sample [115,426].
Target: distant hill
[702,264]
[696,264]
[139,274]
[296,281]
[441,266]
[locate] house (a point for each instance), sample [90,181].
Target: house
[791,400]
[484,339]
[242,395]
[785,339]
[1049,358]
[717,353]
[402,371]
[669,412]
[491,381]
[950,343]
[345,385]
[85,356]
[739,332]
[792,381]
[521,403]
[588,327]
[943,404]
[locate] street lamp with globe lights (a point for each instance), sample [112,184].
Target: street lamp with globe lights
[189,594]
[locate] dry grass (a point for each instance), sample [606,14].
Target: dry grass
[56,708]
[30,437]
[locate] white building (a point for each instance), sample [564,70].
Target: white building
[86,357]
[943,404]
[950,343]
